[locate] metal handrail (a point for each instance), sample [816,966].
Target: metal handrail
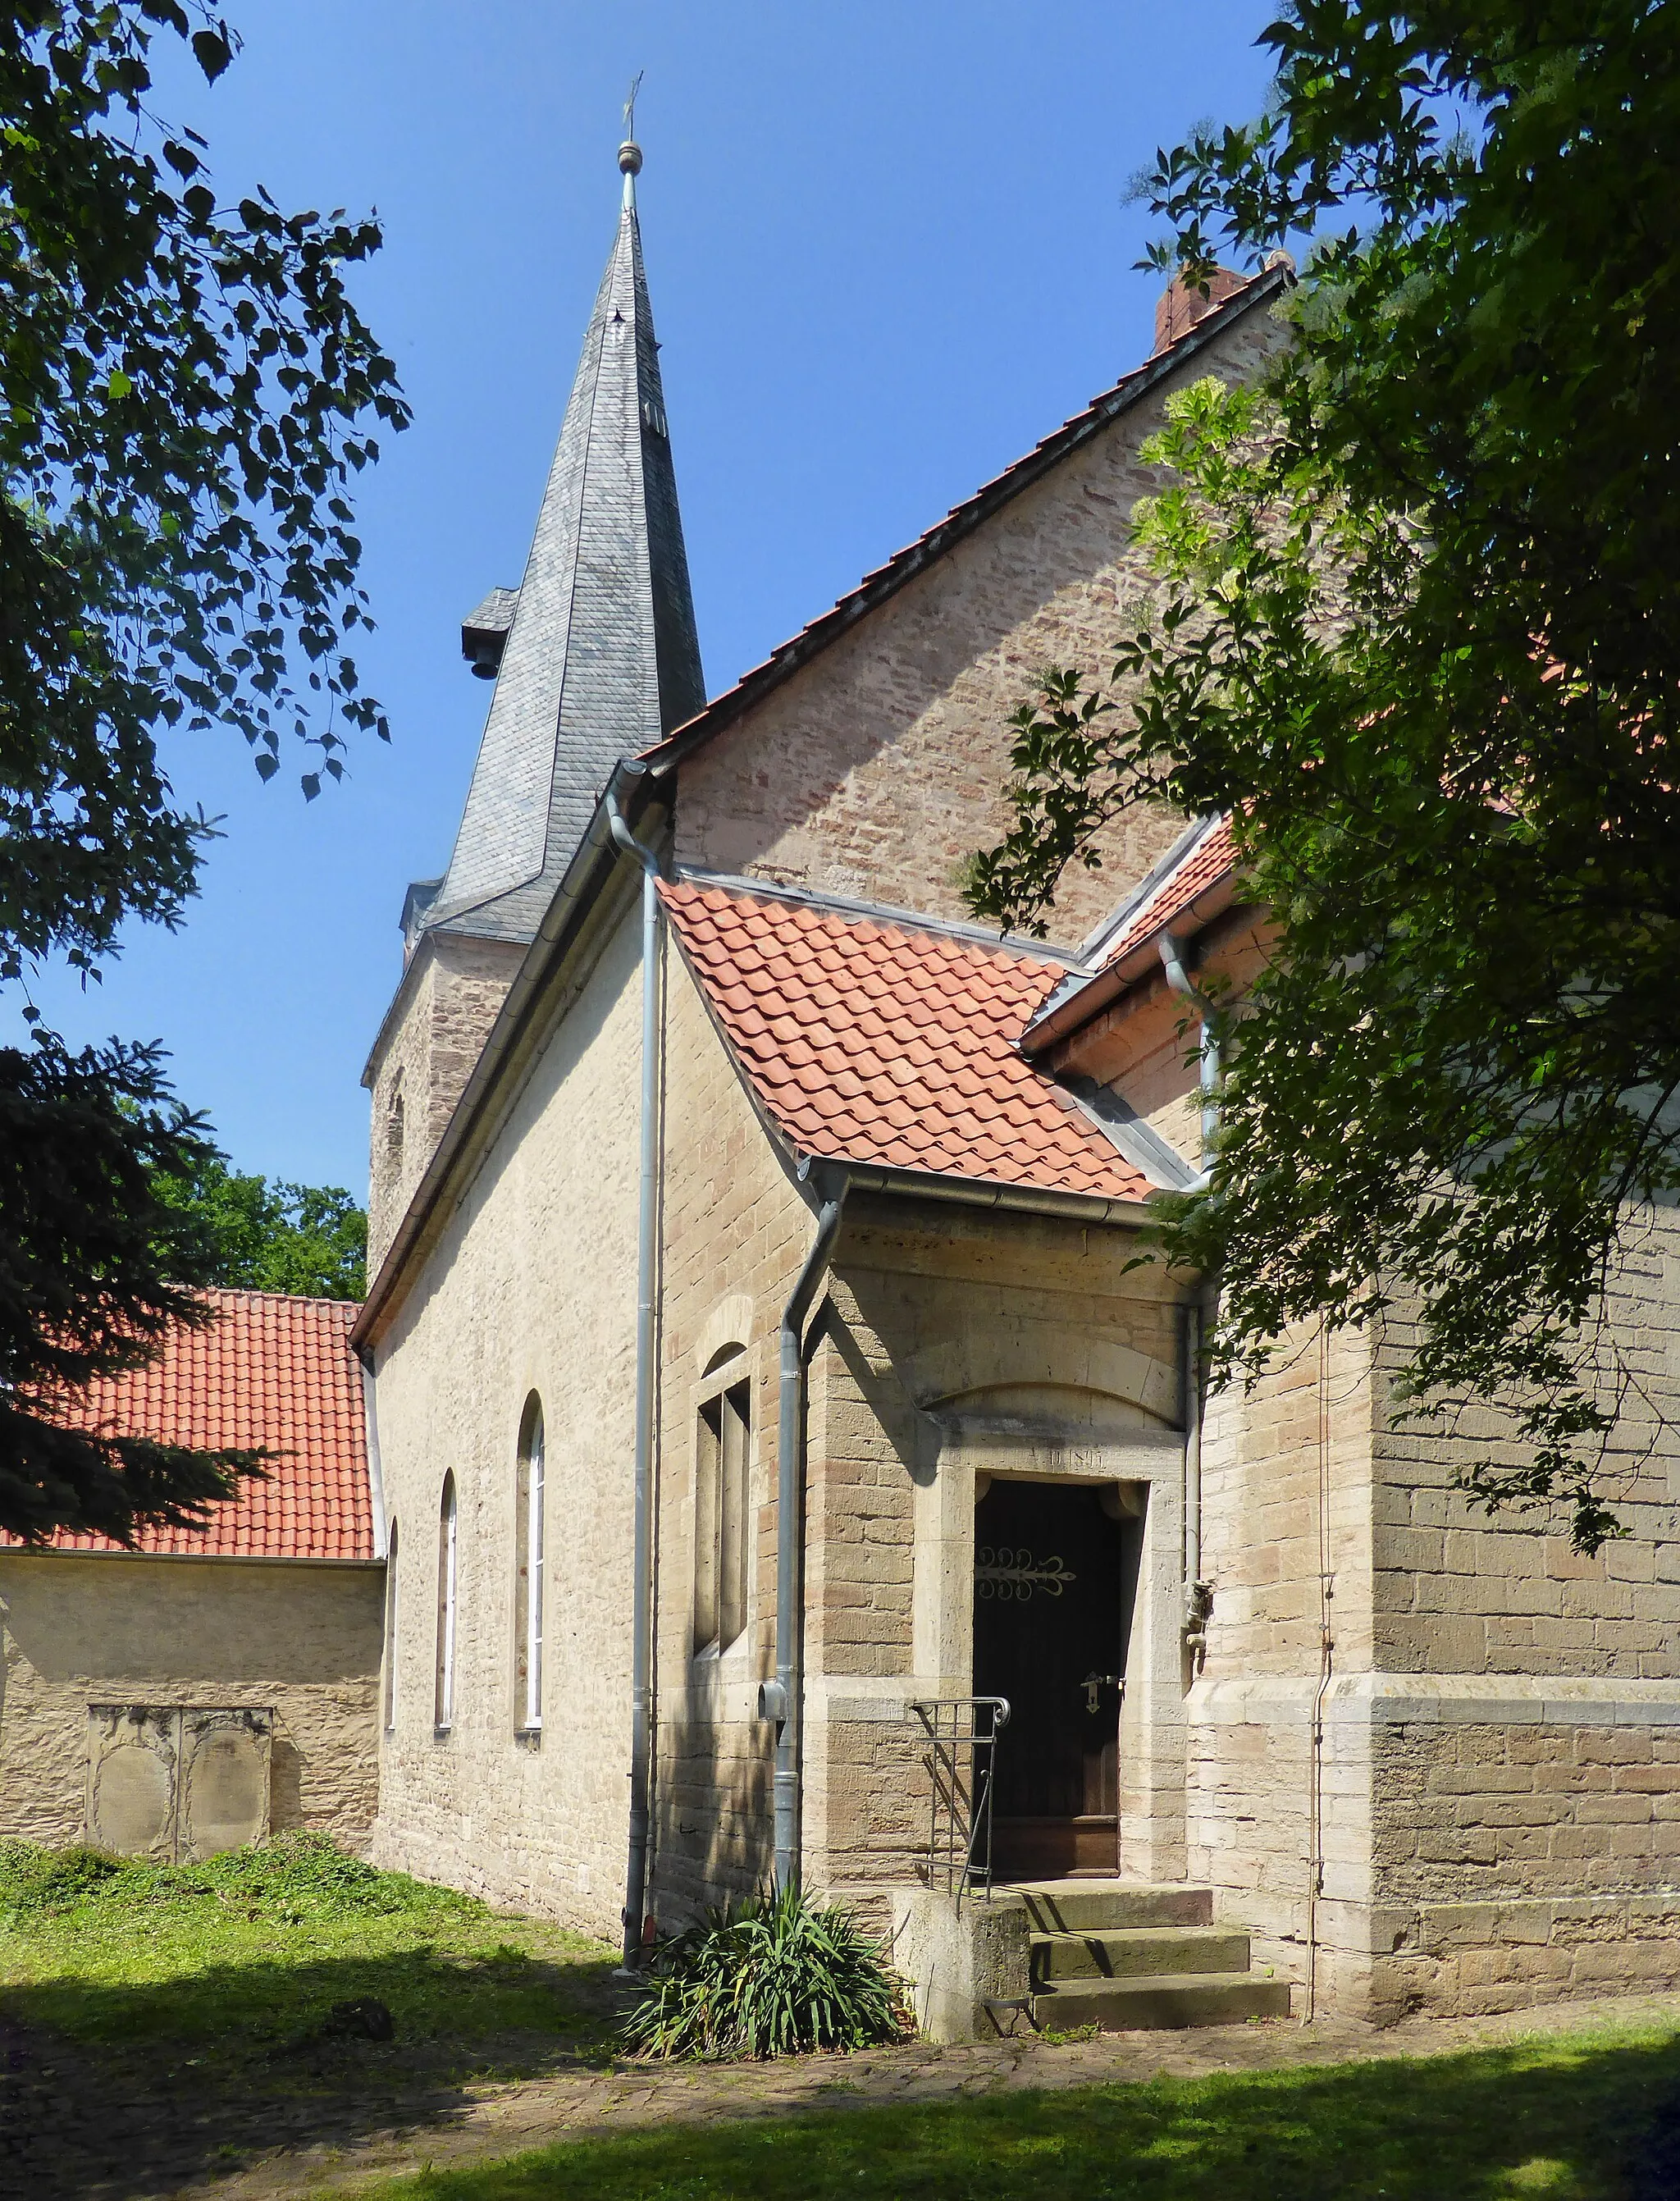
[962,1736]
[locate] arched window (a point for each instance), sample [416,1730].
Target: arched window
[394,1126]
[723,1446]
[447,1557]
[528,1577]
[391,1630]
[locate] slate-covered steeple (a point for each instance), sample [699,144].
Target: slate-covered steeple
[600,657]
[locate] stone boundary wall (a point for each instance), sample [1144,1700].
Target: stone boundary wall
[77,1630]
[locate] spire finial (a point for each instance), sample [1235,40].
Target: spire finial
[630,153]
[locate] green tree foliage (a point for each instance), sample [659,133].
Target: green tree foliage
[265,1236]
[1418,630]
[186,394]
[100,1255]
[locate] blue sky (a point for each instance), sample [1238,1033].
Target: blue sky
[889,247]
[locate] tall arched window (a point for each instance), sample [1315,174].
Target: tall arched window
[448,1554]
[722,1458]
[528,1578]
[391,1630]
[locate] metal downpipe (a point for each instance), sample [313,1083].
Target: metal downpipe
[1172,963]
[647,1261]
[1198,1597]
[781,1701]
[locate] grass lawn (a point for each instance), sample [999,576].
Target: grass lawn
[232,1967]
[132,1989]
[1594,2117]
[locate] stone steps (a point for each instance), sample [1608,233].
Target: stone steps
[1077,1906]
[1168,2001]
[1136,1953]
[1125,1957]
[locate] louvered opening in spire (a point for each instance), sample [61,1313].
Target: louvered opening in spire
[600,658]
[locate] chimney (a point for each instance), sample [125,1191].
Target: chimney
[1182,304]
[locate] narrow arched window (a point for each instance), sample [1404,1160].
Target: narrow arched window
[391,1631]
[394,1126]
[448,1571]
[722,1458]
[528,1577]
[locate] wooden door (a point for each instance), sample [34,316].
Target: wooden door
[1050,1623]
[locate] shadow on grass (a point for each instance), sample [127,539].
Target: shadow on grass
[110,2090]
[1570,2120]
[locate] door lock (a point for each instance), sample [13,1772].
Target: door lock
[1093,1681]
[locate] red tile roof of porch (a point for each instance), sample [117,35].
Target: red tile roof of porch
[271,1372]
[1206,861]
[873,1041]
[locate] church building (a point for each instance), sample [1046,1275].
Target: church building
[789,1469]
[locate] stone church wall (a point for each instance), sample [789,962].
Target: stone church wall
[1498,1773]
[1286,1510]
[1526,1750]
[77,1630]
[967,1343]
[450,997]
[890,748]
[737,1231]
[531,1289]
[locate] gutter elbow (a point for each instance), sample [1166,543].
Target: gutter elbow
[1172,963]
[626,840]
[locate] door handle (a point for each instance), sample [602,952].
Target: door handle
[1093,1681]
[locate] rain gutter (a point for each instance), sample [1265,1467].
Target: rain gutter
[525,1014]
[783,1700]
[1081,1007]
[647,1280]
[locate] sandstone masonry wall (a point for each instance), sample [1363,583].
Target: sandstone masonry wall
[448,999]
[1286,1514]
[736,1231]
[531,1289]
[77,1630]
[1526,1764]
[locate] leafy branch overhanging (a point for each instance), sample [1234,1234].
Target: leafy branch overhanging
[1416,628]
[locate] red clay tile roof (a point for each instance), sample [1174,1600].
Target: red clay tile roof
[1207,860]
[877,1042]
[273,1371]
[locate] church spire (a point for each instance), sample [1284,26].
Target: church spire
[600,657]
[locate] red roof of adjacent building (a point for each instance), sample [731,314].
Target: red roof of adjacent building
[875,1041]
[275,1372]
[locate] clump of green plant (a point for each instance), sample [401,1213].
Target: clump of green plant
[778,1976]
[35,1879]
[295,1874]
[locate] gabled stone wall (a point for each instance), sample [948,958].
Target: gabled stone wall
[879,767]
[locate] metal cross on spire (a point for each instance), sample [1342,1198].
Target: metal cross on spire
[630,153]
